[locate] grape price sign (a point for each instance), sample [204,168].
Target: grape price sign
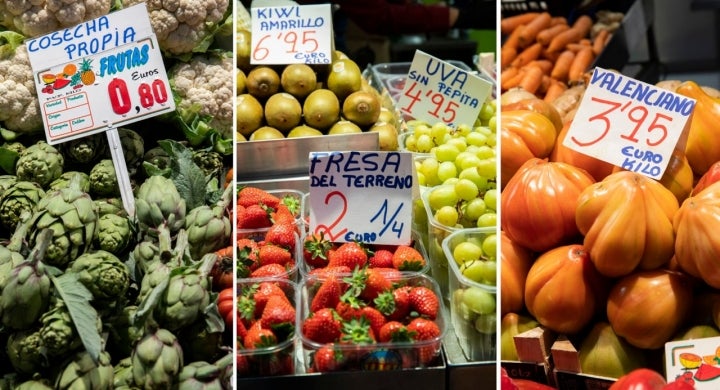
[361,196]
[436,91]
[292,34]
[629,123]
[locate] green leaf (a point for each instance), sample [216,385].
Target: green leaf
[8,158]
[184,172]
[77,299]
[153,170]
[10,41]
[150,302]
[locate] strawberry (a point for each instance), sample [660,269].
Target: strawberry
[259,337]
[424,301]
[327,358]
[350,254]
[328,295]
[389,273]
[278,312]
[315,250]
[349,307]
[357,331]
[327,271]
[248,196]
[394,331]
[382,258]
[374,317]
[291,202]
[375,283]
[242,365]
[260,294]
[425,330]
[273,254]
[254,216]
[241,330]
[322,326]
[396,304]
[282,215]
[407,258]
[271,270]
[246,257]
[282,235]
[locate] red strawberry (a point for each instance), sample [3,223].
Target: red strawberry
[281,234]
[241,330]
[374,317]
[327,271]
[322,326]
[396,304]
[382,258]
[375,283]
[246,257]
[407,258]
[271,270]
[327,358]
[278,312]
[282,215]
[424,301]
[254,217]
[273,254]
[350,254]
[328,295]
[243,367]
[357,331]
[315,250]
[259,337]
[349,307]
[394,331]
[260,294]
[256,196]
[425,330]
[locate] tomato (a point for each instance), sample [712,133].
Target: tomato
[515,262]
[711,176]
[226,305]
[640,379]
[525,384]
[524,134]
[222,273]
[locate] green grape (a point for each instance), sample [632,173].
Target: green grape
[471,161]
[422,129]
[487,220]
[478,300]
[480,271]
[486,323]
[466,189]
[429,168]
[446,152]
[447,216]
[490,198]
[421,179]
[492,141]
[459,142]
[442,196]
[487,111]
[484,130]
[474,209]
[438,131]
[477,139]
[466,251]
[489,246]
[446,170]
[424,143]
[464,129]
[492,124]
[487,167]
[411,142]
[484,152]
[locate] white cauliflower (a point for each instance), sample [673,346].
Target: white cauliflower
[33,18]
[204,86]
[184,26]
[19,107]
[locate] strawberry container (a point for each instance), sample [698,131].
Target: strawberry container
[473,305]
[299,196]
[258,236]
[276,360]
[374,356]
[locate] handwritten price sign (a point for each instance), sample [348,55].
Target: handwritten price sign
[361,196]
[438,91]
[628,123]
[292,34]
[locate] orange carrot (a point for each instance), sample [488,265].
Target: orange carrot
[512,82]
[532,28]
[582,61]
[599,41]
[579,30]
[575,47]
[509,72]
[586,42]
[546,35]
[532,79]
[562,65]
[510,23]
[583,23]
[555,89]
[528,54]
[545,65]
[507,56]
[513,40]
[558,20]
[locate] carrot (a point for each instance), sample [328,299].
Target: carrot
[562,65]
[558,20]
[507,25]
[574,34]
[582,61]
[532,28]
[509,72]
[546,35]
[545,65]
[513,40]
[586,42]
[544,85]
[599,41]
[528,54]
[512,82]
[583,23]
[555,89]
[532,79]
[575,47]
[507,56]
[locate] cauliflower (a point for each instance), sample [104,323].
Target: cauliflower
[203,87]
[33,18]
[19,107]
[184,26]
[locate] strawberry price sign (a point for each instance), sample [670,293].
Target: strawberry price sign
[629,123]
[291,34]
[438,91]
[361,196]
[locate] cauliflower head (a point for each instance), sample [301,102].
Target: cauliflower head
[184,26]
[19,107]
[33,18]
[204,85]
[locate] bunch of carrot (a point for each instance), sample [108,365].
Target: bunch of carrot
[544,54]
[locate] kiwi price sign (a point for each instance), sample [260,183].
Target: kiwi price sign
[291,35]
[438,91]
[361,196]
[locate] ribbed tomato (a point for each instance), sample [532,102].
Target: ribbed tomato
[701,149]
[515,262]
[524,134]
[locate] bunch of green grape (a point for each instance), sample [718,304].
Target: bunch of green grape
[476,258]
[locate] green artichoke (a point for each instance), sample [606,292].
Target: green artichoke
[82,372]
[122,333]
[113,233]
[34,384]
[209,229]
[123,375]
[185,299]
[19,197]
[133,146]
[110,206]
[72,216]
[84,151]
[58,330]
[210,162]
[64,181]
[103,274]
[24,349]
[158,157]
[16,147]
[104,180]
[204,375]
[6,181]
[157,360]
[158,202]
[41,163]
[200,342]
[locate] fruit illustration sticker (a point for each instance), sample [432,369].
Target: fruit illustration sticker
[695,361]
[629,123]
[291,34]
[436,91]
[361,196]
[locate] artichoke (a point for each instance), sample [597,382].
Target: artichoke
[82,372]
[103,274]
[34,384]
[185,298]
[200,341]
[157,360]
[103,179]
[209,227]
[133,146]
[122,374]
[6,181]
[64,181]
[41,163]
[158,202]
[24,349]
[209,161]
[110,206]
[58,330]
[16,147]
[113,233]
[19,197]
[123,333]
[84,151]
[72,216]
[158,157]
[204,375]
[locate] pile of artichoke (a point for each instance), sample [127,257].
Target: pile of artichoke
[98,294]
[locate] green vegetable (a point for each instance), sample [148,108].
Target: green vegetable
[41,163]
[84,372]
[133,146]
[103,274]
[18,198]
[123,375]
[34,384]
[84,151]
[186,297]
[103,179]
[57,331]
[157,360]
[24,348]
[113,233]
[158,202]
[66,177]
[204,375]
[209,227]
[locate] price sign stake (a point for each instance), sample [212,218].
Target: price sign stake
[628,123]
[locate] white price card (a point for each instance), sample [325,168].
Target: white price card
[291,34]
[361,196]
[629,123]
[694,361]
[436,91]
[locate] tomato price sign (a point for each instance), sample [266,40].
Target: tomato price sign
[438,91]
[291,34]
[629,123]
[361,196]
